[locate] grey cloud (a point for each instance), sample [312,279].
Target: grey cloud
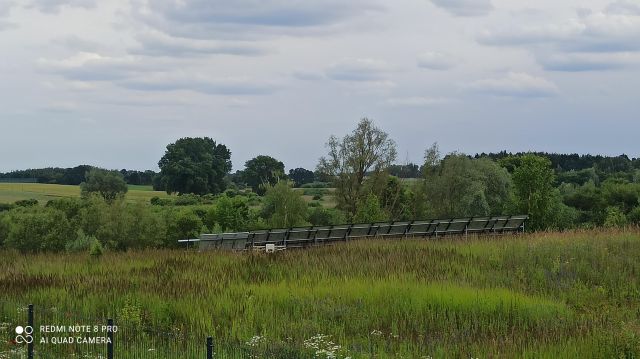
[465,7]
[220,18]
[592,32]
[164,45]
[358,70]
[54,6]
[5,10]
[233,87]
[305,75]
[78,44]
[615,30]
[5,7]
[435,61]
[417,101]
[515,84]
[94,67]
[624,7]
[578,62]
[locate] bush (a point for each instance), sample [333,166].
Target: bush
[26,203]
[230,213]
[325,216]
[36,229]
[82,242]
[369,211]
[182,225]
[188,200]
[284,207]
[317,197]
[6,207]
[121,226]
[70,206]
[96,249]
[157,201]
[614,217]
[634,216]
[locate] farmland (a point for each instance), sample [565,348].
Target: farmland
[12,192]
[544,295]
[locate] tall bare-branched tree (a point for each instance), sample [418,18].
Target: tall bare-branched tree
[366,151]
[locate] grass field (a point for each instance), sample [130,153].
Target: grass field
[573,295]
[12,192]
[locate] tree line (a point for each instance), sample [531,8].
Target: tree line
[358,175]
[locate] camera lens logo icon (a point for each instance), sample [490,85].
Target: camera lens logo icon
[24,335]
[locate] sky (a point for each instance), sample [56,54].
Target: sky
[112,82]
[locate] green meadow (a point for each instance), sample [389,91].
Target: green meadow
[547,295]
[12,192]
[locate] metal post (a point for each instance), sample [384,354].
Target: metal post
[30,323]
[209,347]
[110,336]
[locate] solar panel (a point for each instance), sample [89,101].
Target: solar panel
[314,235]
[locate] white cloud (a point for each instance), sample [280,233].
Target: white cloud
[359,70]
[515,84]
[465,7]
[436,61]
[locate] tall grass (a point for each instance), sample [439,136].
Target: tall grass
[546,295]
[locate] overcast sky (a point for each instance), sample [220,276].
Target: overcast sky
[112,82]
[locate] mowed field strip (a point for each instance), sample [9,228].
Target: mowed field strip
[11,192]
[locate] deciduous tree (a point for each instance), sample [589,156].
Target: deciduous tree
[366,151]
[194,165]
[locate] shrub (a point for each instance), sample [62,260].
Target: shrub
[634,216]
[614,217]
[188,200]
[81,243]
[284,207]
[182,225]
[96,249]
[36,229]
[230,213]
[26,203]
[369,211]
[157,201]
[70,206]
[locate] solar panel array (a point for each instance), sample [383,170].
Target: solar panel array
[317,235]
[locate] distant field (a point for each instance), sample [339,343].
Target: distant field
[11,192]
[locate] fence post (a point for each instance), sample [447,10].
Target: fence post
[110,336]
[30,323]
[209,347]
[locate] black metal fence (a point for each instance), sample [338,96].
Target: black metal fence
[318,235]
